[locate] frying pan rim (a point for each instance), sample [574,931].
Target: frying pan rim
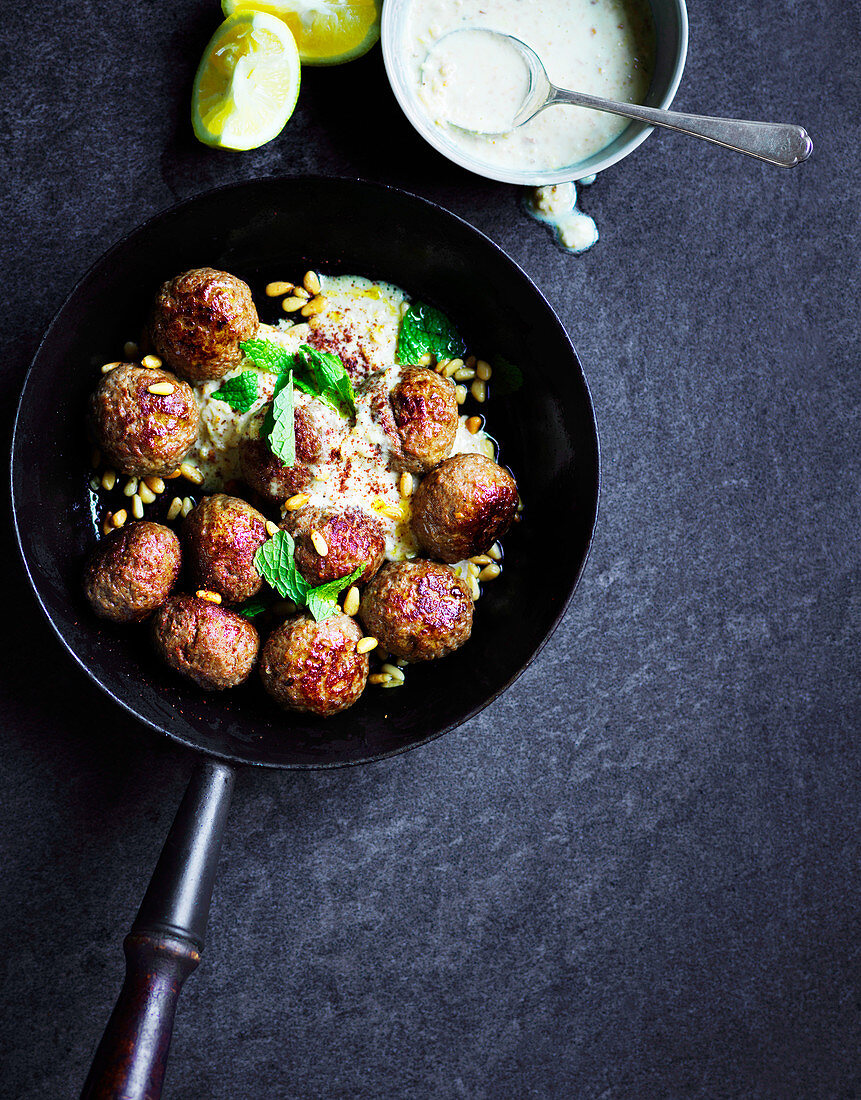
[162,731]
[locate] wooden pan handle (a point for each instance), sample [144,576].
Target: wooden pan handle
[164,945]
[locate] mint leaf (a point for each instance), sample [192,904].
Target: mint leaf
[323,375]
[239,393]
[278,424]
[276,563]
[507,378]
[323,600]
[425,329]
[267,355]
[252,607]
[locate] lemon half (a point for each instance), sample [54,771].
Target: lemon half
[327,32]
[247,82]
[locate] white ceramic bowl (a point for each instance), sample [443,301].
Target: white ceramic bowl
[671,48]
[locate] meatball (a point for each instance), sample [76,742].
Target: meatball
[138,431]
[198,320]
[319,430]
[310,666]
[352,538]
[417,609]
[418,417]
[462,507]
[212,646]
[132,572]
[221,535]
[424,407]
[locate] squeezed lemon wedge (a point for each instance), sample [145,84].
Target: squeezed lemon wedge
[247,82]
[327,32]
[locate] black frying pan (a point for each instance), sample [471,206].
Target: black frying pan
[263,230]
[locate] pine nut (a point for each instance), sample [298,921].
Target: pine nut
[474,590]
[137,507]
[151,361]
[277,289]
[452,367]
[472,569]
[393,671]
[441,365]
[495,552]
[351,602]
[319,544]
[175,508]
[478,390]
[480,559]
[379,678]
[473,424]
[131,350]
[460,394]
[119,518]
[426,360]
[290,305]
[311,282]
[317,305]
[161,389]
[301,292]
[187,505]
[108,523]
[175,474]
[191,473]
[95,457]
[154,484]
[365,645]
[108,367]
[272,528]
[464,374]
[145,493]
[298,500]
[490,572]
[109,479]
[206,594]
[483,370]
[393,683]
[131,487]
[405,484]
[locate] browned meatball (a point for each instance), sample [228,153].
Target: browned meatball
[319,430]
[311,666]
[425,410]
[463,506]
[198,320]
[141,432]
[220,536]
[352,538]
[211,645]
[417,609]
[132,572]
[418,417]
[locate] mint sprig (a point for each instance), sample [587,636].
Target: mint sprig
[426,329]
[323,375]
[267,355]
[252,607]
[276,563]
[279,423]
[239,392]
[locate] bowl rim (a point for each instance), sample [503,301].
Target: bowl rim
[591,166]
[15,442]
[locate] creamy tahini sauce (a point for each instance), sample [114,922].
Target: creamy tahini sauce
[603,47]
[360,324]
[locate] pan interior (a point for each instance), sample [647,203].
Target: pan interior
[274,229]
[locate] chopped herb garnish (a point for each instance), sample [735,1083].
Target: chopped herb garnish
[267,355]
[323,600]
[276,563]
[252,607]
[239,392]
[425,329]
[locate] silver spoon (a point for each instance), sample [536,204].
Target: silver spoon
[778,143]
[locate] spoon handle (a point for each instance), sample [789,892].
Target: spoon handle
[778,143]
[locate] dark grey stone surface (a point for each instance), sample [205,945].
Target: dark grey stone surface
[636,874]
